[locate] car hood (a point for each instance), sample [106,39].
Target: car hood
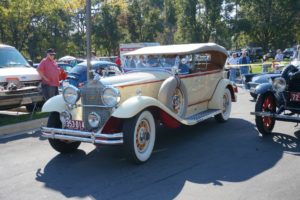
[135,78]
[265,78]
[22,73]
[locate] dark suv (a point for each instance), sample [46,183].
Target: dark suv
[19,82]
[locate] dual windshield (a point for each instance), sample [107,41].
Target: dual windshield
[10,57]
[185,63]
[161,61]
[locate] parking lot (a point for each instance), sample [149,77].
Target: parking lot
[208,161]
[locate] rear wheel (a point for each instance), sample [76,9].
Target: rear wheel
[139,137]
[226,107]
[60,145]
[265,103]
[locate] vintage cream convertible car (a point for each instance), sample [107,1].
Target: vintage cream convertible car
[172,85]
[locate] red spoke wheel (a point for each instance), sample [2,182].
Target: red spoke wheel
[265,103]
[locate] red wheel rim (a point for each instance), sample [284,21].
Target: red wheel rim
[268,106]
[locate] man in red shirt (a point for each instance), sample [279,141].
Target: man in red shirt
[49,72]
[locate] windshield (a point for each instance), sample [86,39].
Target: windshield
[155,61]
[10,57]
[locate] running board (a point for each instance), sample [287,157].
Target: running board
[199,117]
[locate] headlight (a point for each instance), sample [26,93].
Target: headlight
[279,84]
[111,96]
[71,94]
[94,119]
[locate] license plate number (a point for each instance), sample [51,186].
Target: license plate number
[295,96]
[74,125]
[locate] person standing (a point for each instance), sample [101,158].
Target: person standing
[279,55]
[50,74]
[244,59]
[231,63]
[118,62]
[296,54]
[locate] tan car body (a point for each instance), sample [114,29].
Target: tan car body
[145,92]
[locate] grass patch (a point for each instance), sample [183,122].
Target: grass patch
[12,119]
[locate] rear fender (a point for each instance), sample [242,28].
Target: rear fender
[215,102]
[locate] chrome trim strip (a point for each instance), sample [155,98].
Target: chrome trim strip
[82,136]
[97,106]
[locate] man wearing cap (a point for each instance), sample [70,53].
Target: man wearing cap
[49,72]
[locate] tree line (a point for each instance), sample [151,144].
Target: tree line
[32,26]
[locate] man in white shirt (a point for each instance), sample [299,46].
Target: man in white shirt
[233,60]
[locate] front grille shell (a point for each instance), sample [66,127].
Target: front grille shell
[92,102]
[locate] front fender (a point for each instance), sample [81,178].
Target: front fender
[215,102]
[54,104]
[262,88]
[136,104]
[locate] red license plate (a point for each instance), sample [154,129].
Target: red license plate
[74,125]
[295,96]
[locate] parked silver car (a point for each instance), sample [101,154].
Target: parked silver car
[19,82]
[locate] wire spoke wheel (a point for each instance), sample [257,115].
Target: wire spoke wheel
[225,106]
[178,102]
[139,137]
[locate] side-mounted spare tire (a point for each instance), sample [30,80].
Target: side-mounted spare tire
[173,94]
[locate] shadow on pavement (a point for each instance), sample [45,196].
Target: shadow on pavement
[34,134]
[208,153]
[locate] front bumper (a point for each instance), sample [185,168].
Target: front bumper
[10,99]
[277,116]
[82,136]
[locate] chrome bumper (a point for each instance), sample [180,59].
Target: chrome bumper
[82,136]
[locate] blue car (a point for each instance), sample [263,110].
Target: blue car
[78,74]
[253,82]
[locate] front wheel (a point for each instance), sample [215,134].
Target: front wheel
[226,107]
[265,103]
[60,145]
[139,137]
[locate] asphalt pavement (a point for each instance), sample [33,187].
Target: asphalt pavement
[210,161]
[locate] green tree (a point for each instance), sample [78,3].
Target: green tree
[144,20]
[106,34]
[187,26]
[271,23]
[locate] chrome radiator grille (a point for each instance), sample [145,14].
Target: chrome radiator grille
[91,98]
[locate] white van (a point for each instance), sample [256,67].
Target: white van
[20,84]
